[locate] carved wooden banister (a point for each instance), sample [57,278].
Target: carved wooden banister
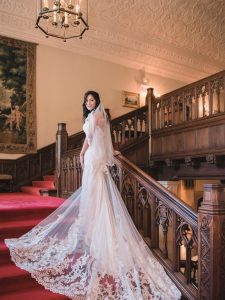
[29,167]
[76,140]
[130,114]
[190,120]
[164,221]
[71,172]
[129,127]
[211,236]
[197,100]
[167,224]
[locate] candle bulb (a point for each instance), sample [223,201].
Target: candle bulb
[55,17]
[61,18]
[45,3]
[66,18]
[38,7]
[77,8]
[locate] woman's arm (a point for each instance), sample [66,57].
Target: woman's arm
[83,150]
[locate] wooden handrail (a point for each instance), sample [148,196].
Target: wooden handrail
[159,191]
[130,127]
[130,114]
[198,100]
[199,82]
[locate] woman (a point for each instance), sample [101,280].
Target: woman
[89,247]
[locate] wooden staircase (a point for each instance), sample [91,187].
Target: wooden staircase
[185,242]
[45,187]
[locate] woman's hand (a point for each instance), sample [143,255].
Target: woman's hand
[116,152]
[82,160]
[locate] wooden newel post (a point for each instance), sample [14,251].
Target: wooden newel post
[211,248]
[148,100]
[61,146]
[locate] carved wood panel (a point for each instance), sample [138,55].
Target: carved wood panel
[30,167]
[205,252]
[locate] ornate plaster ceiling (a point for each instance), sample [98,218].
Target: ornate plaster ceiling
[182,40]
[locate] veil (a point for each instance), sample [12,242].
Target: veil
[99,136]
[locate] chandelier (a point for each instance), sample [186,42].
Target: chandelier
[63,19]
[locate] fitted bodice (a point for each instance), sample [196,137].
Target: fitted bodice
[86,126]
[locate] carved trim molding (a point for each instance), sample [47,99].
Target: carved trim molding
[205,253]
[222,266]
[211,158]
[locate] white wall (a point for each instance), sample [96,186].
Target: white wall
[62,79]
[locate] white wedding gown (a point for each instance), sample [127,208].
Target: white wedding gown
[89,247]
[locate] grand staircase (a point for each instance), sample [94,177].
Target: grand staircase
[185,242]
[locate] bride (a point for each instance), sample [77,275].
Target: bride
[89,248]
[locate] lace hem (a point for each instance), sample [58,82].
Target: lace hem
[132,285]
[43,283]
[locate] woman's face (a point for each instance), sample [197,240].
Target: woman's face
[90,102]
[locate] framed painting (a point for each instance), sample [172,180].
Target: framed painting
[130,99]
[17,96]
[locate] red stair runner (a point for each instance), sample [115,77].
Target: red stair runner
[19,212]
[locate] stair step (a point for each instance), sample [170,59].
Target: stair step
[15,229]
[16,215]
[21,206]
[49,178]
[32,190]
[44,184]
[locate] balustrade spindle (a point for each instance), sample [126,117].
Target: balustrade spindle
[61,147]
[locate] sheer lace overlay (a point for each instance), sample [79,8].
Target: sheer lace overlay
[89,248]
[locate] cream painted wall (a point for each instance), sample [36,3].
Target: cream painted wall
[186,194]
[62,79]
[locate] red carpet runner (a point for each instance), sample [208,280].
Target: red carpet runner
[19,212]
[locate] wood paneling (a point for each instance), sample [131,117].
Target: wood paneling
[207,137]
[30,167]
